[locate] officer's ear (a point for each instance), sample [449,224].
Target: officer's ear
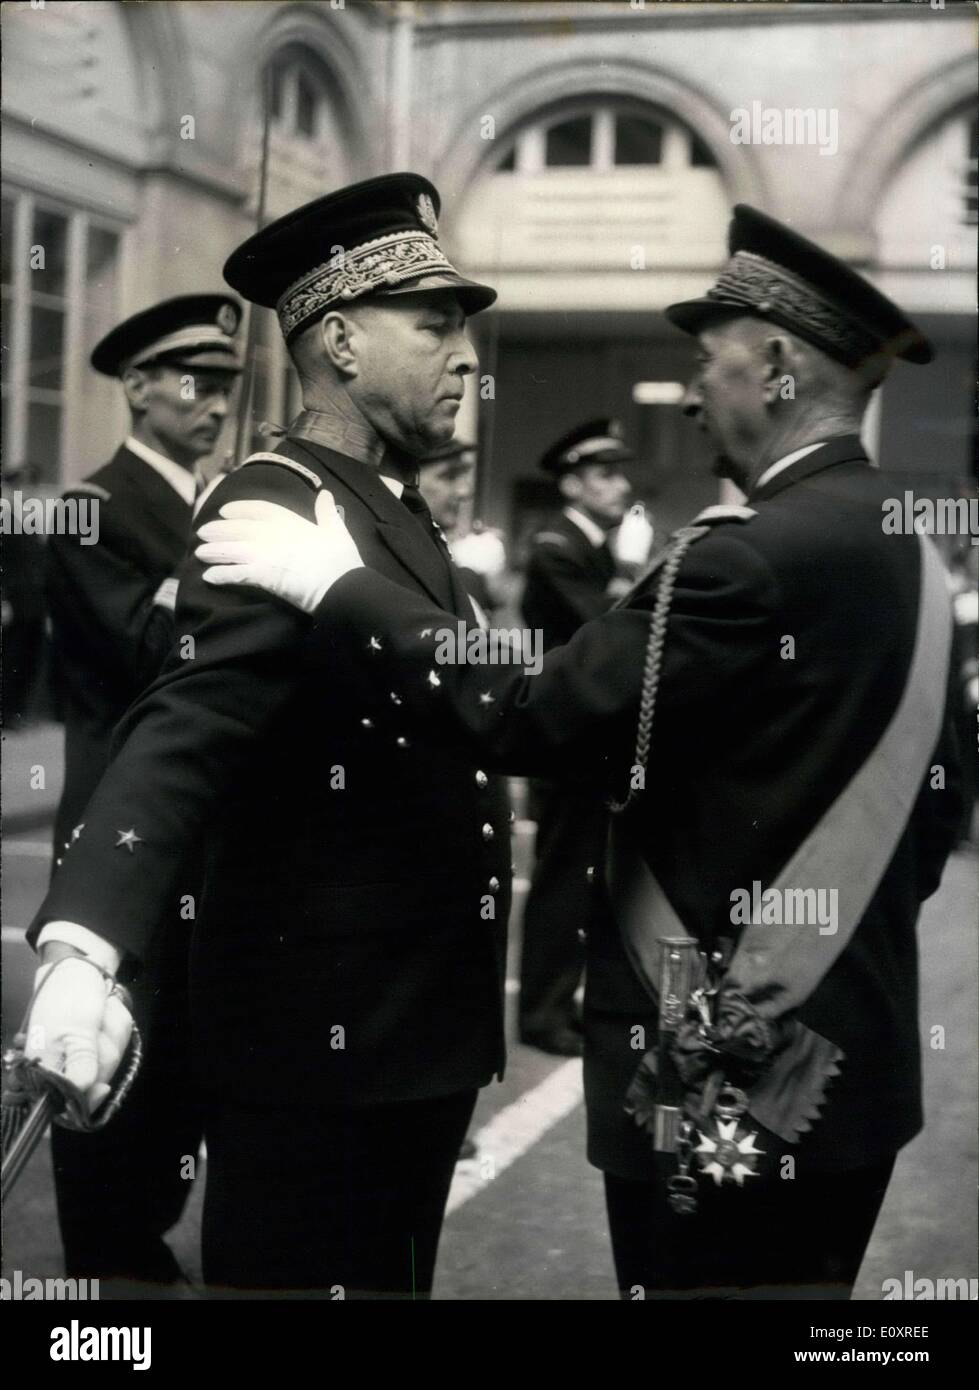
[136,384]
[779,363]
[337,332]
[570,486]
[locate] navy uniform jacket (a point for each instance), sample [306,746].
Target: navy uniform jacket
[567,581]
[350,941]
[748,750]
[109,636]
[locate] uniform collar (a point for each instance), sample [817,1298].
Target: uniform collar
[355,439]
[182,480]
[842,448]
[785,460]
[590,529]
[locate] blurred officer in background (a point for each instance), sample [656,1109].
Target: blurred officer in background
[111,605]
[572,576]
[446,480]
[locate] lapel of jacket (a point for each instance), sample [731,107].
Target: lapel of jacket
[395,525]
[845,448]
[166,510]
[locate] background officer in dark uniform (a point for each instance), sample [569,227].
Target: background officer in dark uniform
[447,481]
[346,984]
[111,608]
[571,577]
[756,745]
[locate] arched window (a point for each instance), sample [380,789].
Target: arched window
[299,94]
[602,137]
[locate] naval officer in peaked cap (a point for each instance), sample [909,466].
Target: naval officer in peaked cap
[770,713]
[346,989]
[571,576]
[111,608]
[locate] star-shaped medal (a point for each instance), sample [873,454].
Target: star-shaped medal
[729,1156]
[129,838]
[487,699]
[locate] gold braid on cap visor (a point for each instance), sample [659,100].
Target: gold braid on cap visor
[768,288]
[379,264]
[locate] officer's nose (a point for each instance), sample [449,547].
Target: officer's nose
[464,359]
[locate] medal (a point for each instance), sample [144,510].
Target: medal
[727,1150]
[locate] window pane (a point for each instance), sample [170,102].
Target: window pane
[43,441]
[51,234]
[101,261]
[700,155]
[101,285]
[637,141]
[47,347]
[569,144]
[305,106]
[7,241]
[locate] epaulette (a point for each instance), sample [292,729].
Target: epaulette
[300,469]
[93,489]
[723,511]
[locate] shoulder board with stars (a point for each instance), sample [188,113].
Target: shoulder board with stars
[300,469]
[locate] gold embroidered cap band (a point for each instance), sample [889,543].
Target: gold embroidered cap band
[778,275]
[379,237]
[377,265]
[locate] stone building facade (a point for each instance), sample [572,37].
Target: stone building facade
[588,155]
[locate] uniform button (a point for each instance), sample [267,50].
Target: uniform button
[582,935]
[488,831]
[481,779]
[367,723]
[494,884]
[401,742]
[590,873]
[395,699]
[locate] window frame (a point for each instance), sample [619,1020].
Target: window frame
[18,394]
[529,144]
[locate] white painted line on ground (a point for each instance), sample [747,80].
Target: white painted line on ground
[515,1129]
[28,849]
[521,885]
[524,827]
[9,935]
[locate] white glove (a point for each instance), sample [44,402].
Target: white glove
[634,539]
[480,551]
[271,548]
[77,1027]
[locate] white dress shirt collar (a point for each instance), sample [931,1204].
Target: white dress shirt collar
[780,464]
[182,480]
[592,531]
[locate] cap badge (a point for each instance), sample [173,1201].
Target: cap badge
[426,214]
[227,319]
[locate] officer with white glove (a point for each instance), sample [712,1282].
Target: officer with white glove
[77,1027]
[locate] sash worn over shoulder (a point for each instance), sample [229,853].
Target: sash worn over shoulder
[776,968]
